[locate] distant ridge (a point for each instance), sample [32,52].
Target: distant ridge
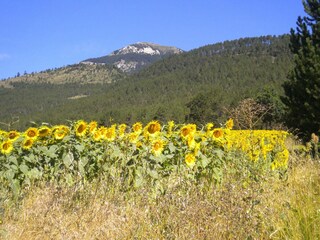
[134,57]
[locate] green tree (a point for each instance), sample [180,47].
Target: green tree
[302,90]
[202,109]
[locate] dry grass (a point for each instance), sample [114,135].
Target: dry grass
[237,209]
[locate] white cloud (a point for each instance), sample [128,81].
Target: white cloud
[4,56]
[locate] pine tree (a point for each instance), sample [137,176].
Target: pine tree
[302,90]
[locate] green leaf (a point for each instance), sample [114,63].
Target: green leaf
[24,169]
[13,159]
[34,174]
[138,178]
[68,159]
[69,179]
[171,147]
[83,161]
[9,174]
[204,161]
[30,158]
[79,148]
[15,186]
[153,173]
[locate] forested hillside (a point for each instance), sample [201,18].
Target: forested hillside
[215,77]
[76,73]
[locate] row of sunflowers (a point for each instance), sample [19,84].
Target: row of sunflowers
[84,149]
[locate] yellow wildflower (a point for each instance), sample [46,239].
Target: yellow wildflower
[137,127]
[81,128]
[157,147]
[229,124]
[6,147]
[44,131]
[122,129]
[13,135]
[32,133]
[92,127]
[27,143]
[190,159]
[217,132]
[187,130]
[152,129]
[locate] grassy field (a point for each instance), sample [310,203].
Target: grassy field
[272,207]
[157,182]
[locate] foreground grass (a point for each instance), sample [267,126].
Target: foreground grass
[268,207]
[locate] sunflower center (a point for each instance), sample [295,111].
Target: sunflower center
[31,133]
[152,128]
[6,146]
[81,128]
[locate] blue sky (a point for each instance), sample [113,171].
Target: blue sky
[40,34]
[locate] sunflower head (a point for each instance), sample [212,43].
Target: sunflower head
[137,127]
[81,128]
[13,135]
[6,147]
[44,131]
[191,142]
[190,159]
[32,133]
[187,130]
[122,129]
[152,128]
[217,132]
[27,143]
[157,147]
[3,134]
[92,127]
[209,127]
[110,134]
[96,136]
[102,130]
[133,137]
[59,132]
[229,124]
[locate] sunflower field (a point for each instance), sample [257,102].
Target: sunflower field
[136,155]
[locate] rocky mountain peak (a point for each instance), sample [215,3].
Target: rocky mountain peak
[135,56]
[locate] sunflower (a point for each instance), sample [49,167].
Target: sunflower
[44,131]
[217,132]
[122,129]
[96,136]
[191,142]
[190,159]
[110,134]
[209,126]
[157,147]
[81,128]
[59,134]
[133,137]
[64,128]
[102,130]
[137,127]
[6,147]
[153,127]
[27,143]
[229,124]
[92,127]
[13,135]
[3,134]
[32,133]
[170,128]
[187,130]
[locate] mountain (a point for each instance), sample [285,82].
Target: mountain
[76,73]
[134,57]
[224,73]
